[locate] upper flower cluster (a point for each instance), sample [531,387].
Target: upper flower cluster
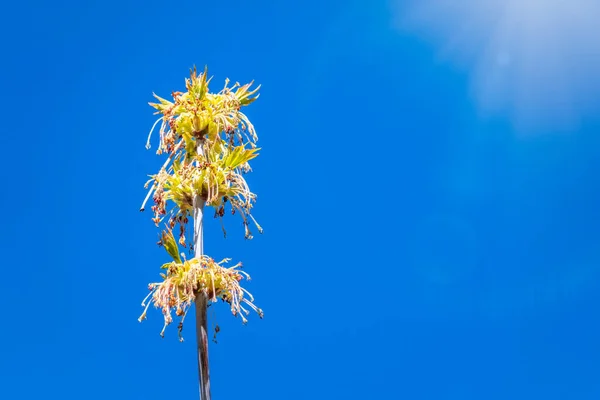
[209,143]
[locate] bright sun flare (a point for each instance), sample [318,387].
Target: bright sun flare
[536,60]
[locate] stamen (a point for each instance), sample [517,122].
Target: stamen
[150,134]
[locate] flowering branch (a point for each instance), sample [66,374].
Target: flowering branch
[209,143]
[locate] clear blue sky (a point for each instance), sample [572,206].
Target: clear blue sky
[419,242]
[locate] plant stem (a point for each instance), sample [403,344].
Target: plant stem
[201,302]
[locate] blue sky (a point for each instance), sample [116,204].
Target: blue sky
[419,243]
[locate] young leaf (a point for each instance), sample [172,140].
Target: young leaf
[170,245]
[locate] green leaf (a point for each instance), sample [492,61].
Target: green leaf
[213,131]
[204,83]
[164,104]
[239,156]
[176,165]
[230,159]
[247,155]
[184,123]
[244,96]
[170,244]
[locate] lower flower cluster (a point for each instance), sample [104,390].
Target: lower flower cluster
[185,280]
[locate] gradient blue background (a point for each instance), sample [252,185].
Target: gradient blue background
[412,249]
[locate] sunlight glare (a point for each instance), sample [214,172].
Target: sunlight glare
[536,61]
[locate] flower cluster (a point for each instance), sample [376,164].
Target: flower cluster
[184,279]
[209,143]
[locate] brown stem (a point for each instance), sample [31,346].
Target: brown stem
[201,300]
[202,345]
